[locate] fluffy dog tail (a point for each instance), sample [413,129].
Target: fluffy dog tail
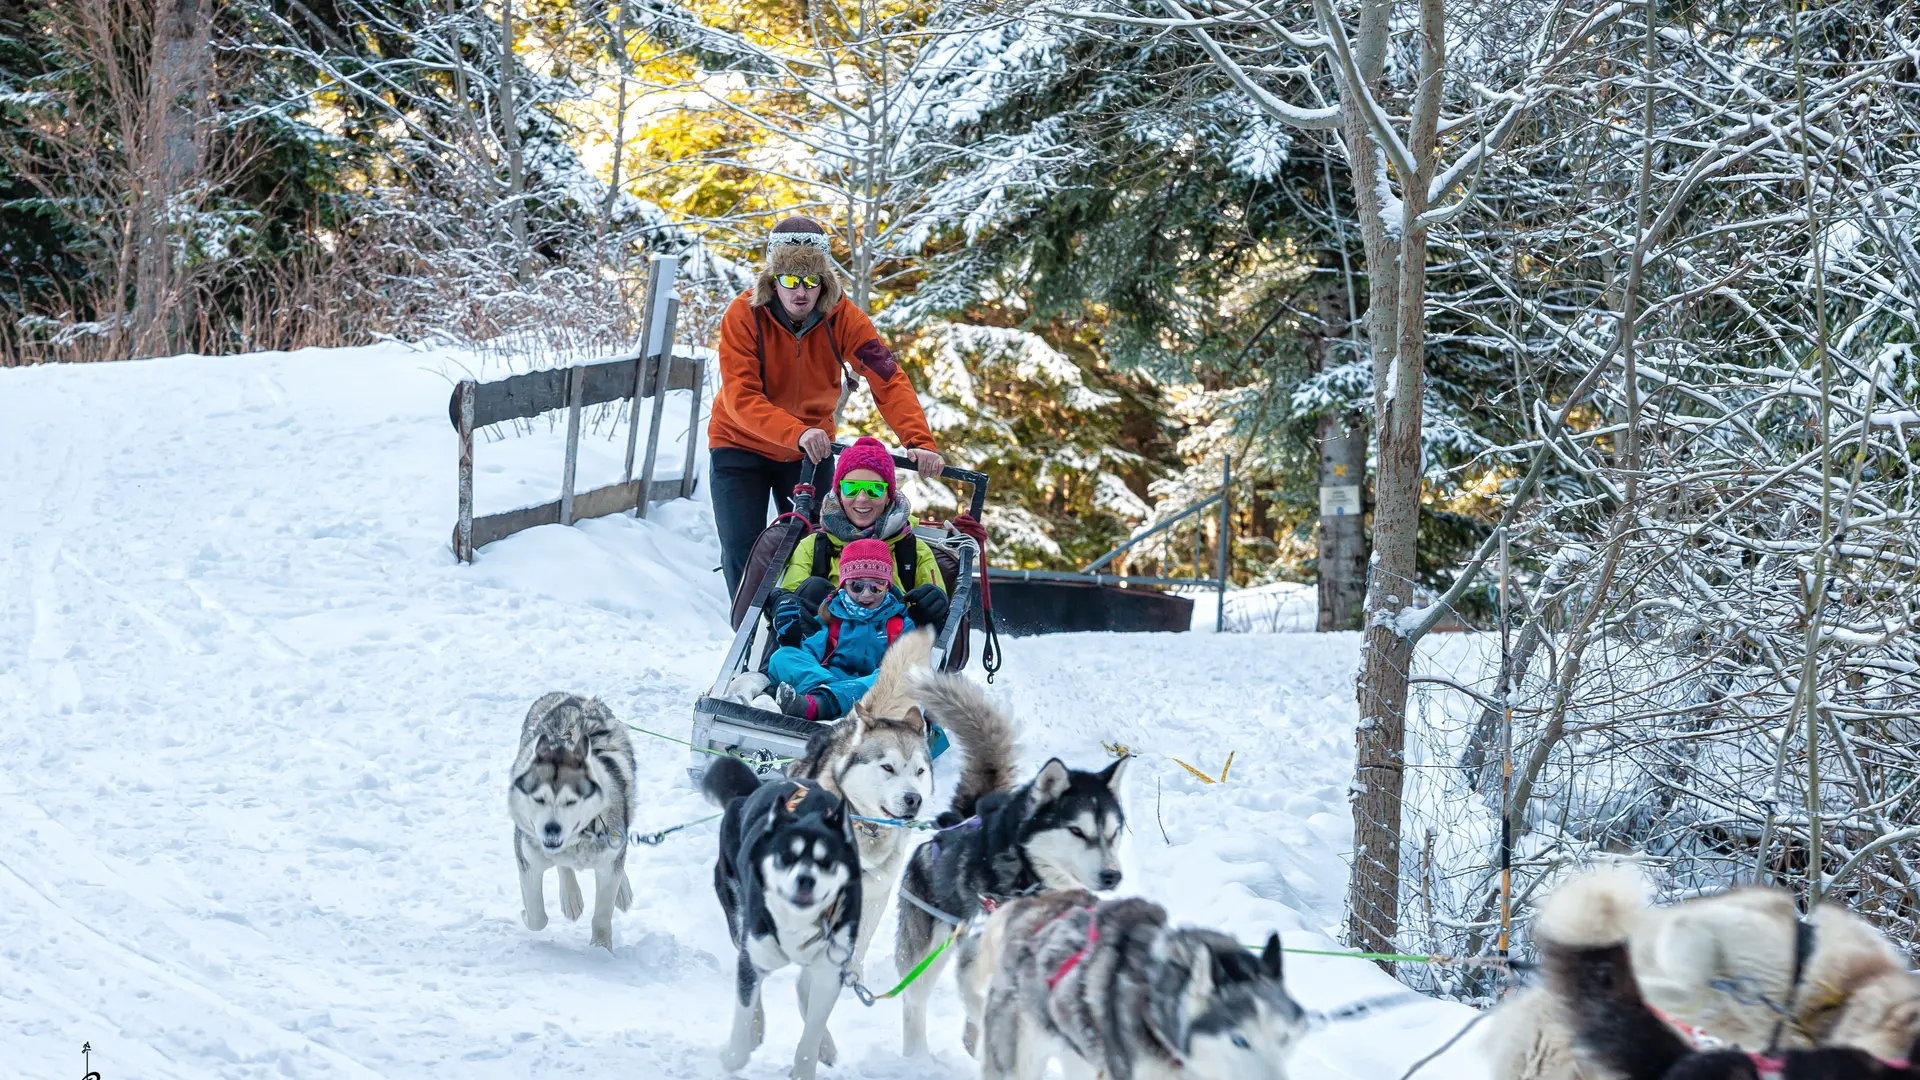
[892,693]
[727,779]
[1594,910]
[985,735]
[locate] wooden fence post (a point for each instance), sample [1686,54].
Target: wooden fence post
[662,369]
[693,428]
[576,387]
[463,533]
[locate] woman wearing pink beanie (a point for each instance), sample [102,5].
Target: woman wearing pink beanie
[865,503]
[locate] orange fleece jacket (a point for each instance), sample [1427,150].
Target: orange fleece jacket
[801,383]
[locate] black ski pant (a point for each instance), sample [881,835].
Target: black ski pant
[740,481]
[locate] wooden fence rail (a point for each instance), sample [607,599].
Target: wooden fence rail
[475,405]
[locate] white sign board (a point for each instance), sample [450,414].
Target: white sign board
[668,268]
[1342,500]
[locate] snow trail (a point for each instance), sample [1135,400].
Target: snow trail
[260,725]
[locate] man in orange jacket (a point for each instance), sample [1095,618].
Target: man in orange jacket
[783,348]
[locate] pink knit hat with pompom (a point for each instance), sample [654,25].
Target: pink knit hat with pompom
[866,453]
[869,560]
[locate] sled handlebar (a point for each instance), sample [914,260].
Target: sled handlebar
[976,481]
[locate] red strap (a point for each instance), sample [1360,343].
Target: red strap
[896,626]
[1093,938]
[833,638]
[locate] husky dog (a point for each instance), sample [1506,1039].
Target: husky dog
[788,878]
[570,800]
[1613,1028]
[1057,831]
[1110,990]
[1740,967]
[877,760]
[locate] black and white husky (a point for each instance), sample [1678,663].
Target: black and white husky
[571,799]
[1108,989]
[1060,830]
[788,878]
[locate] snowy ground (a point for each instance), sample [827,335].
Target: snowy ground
[259,727]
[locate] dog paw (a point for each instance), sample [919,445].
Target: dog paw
[734,1058]
[572,903]
[828,1053]
[535,920]
[603,937]
[802,1070]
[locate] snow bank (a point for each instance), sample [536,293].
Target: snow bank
[261,723]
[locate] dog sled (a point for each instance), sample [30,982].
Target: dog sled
[767,739]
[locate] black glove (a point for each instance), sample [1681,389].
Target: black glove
[927,606]
[792,622]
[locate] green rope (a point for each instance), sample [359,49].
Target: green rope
[1399,958]
[711,750]
[868,997]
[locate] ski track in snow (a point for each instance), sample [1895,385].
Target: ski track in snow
[260,725]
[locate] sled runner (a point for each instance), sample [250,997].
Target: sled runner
[766,739]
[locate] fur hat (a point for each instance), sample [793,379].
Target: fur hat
[799,245]
[866,453]
[869,560]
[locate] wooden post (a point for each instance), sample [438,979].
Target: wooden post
[576,387]
[1226,543]
[463,533]
[640,366]
[693,429]
[662,366]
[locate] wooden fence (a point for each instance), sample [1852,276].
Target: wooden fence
[646,376]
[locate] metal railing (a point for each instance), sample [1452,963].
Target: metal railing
[1090,573]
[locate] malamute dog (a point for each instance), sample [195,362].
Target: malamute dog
[1057,831]
[788,878]
[571,800]
[877,760]
[1616,1033]
[1109,987]
[1739,967]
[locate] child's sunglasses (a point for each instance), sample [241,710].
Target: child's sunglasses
[794,281]
[873,489]
[865,587]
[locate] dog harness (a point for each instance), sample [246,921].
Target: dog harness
[1093,938]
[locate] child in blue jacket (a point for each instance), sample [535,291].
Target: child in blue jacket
[822,677]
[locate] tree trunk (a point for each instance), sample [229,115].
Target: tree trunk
[1386,660]
[168,161]
[510,134]
[1342,539]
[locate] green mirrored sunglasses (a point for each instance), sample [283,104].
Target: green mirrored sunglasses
[873,489]
[794,281]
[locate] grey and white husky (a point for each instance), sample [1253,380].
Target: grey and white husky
[877,760]
[1059,830]
[571,801]
[1108,989]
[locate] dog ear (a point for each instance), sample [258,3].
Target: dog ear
[858,715]
[1270,958]
[915,719]
[1052,781]
[1111,774]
